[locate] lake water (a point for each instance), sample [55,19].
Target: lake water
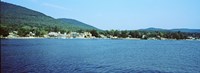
[99,56]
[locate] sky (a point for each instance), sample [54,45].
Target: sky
[121,14]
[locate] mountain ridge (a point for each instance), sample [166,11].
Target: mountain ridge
[15,15]
[76,23]
[172,30]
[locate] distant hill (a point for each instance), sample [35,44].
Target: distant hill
[153,29]
[14,16]
[172,30]
[187,30]
[76,23]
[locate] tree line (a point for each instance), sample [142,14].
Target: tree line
[40,31]
[145,34]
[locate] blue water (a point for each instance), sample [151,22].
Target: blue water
[99,56]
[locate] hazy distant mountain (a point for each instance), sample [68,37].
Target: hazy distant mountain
[153,29]
[172,30]
[186,30]
[15,16]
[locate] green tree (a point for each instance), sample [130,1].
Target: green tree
[111,32]
[116,33]
[4,31]
[94,33]
[40,32]
[178,35]
[161,34]
[62,31]
[56,29]
[124,34]
[135,34]
[80,31]
[24,31]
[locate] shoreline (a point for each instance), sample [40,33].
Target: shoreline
[89,38]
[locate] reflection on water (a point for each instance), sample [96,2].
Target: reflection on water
[104,56]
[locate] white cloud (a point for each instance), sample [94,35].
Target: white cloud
[54,6]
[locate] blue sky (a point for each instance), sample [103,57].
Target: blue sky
[121,14]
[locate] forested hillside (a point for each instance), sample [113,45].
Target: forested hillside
[18,18]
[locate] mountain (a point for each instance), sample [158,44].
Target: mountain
[172,30]
[187,30]
[15,17]
[76,23]
[153,29]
